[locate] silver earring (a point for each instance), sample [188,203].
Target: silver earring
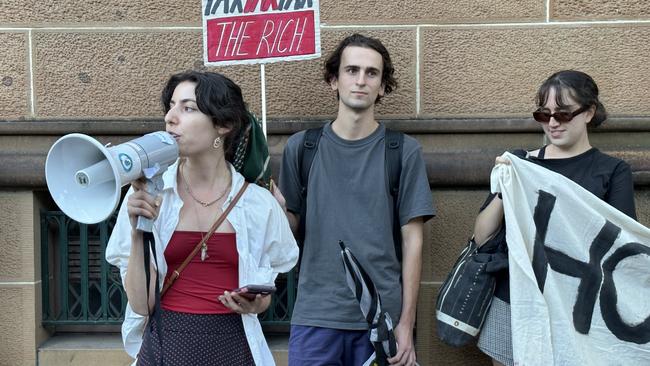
[217,142]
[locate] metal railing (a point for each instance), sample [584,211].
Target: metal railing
[79,286]
[81,289]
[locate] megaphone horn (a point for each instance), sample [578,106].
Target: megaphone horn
[85,178]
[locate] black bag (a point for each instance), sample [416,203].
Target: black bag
[466,294]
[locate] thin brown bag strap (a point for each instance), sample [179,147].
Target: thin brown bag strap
[220,219]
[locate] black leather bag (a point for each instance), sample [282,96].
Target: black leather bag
[466,294]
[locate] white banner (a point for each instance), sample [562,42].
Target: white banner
[579,272]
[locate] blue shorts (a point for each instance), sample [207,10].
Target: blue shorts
[315,346]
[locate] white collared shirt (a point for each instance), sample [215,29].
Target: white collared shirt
[265,246]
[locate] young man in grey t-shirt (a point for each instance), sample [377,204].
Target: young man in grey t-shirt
[348,199]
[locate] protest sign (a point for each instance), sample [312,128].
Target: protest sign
[579,272]
[260,31]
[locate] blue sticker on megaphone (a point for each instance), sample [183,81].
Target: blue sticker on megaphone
[126,162]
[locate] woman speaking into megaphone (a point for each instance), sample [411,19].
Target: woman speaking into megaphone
[213,233]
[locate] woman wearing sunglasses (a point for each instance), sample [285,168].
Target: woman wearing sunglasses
[568,107]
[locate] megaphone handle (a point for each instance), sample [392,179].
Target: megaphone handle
[153,184]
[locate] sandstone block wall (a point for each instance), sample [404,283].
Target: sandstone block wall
[76,59]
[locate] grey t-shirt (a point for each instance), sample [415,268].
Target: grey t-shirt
[348,199]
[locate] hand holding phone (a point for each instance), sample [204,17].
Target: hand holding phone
[250,291]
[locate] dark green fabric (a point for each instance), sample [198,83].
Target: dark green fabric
[252,154]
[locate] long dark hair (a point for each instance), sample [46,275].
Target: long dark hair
[333,62]
[580,86]
[217,97]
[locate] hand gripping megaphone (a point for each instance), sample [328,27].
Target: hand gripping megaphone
[85,178]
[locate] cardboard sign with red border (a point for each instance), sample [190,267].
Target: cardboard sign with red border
[260,31]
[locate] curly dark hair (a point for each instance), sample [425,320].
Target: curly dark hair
[333,62]
[580,86]
[217,97]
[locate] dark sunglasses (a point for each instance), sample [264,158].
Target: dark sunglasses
[562,117]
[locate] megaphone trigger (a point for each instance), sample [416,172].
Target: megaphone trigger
[151,172]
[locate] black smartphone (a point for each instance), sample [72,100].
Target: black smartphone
[250,291]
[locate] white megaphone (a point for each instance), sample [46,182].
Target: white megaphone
[85,178]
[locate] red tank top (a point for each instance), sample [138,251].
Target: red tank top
[197,289]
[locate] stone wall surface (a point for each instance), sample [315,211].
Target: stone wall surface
[20,285]
[599,9]
[14,75]
[495,71]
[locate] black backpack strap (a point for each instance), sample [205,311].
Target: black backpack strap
[394,141]
[305,159]
[306,156]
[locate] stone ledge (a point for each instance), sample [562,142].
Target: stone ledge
[276,126]
[457,152]
[455,168]
[99,349]
[82,341]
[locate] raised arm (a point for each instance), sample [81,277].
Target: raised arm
[489,221]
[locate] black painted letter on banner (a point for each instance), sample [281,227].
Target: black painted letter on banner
[590,274]
[639,333]
[542,215]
